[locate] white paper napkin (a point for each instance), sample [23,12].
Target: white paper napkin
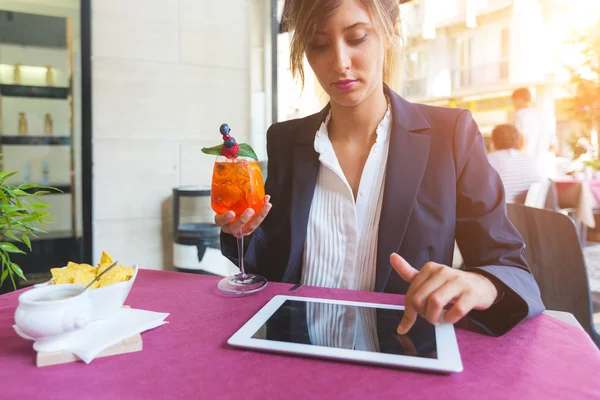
[97,336]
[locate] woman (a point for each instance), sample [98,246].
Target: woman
[373,175]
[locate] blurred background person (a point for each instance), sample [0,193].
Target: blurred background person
[539,139]
[517,170]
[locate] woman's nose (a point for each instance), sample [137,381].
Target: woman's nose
[342,59]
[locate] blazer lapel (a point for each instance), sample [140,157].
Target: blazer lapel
[305,169]
[407,160]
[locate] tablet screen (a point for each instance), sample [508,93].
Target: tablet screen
[349,327]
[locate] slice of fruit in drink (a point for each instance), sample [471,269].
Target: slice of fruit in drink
[225,197]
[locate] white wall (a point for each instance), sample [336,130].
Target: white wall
[166,74]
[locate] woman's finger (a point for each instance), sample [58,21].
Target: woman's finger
[418,281]
[410,313]
[224,219]
[433,282]
[246,222]
[408,320]
[258,219]
[465,303]
[403,268]
[235,227]
[438,300]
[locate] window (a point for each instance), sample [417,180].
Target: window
[417,74]
[505,53]
[462,76]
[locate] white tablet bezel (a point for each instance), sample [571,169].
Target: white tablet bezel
[448,355]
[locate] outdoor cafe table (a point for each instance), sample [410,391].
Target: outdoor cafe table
[189,358]
[583,196]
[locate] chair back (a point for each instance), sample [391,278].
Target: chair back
[537,194]
[554,255]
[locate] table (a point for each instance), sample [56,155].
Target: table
[189,358]
[565,317]
[583,196]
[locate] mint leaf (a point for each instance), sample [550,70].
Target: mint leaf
[246,151]
[215,150]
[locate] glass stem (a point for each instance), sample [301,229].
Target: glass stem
[240,244]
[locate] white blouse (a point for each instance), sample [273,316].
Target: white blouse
[340,250]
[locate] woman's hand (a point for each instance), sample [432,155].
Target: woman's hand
[435,286]
[246,223]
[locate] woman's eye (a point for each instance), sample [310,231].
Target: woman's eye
[358,41]
[318,47]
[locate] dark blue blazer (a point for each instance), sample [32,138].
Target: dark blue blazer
[439,186]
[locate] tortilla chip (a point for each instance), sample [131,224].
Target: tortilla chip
[61,275]
[83,274]
[119,273]
[105,259]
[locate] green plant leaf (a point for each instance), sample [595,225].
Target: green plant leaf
[26,186]
[29,218]
[40,206]
[38,215]
[11,235]
[43,192]
[10,248]
[4,275]
[215,150]
[17,270]
[11,207]
[20,192]
[6,174]
[32,229]
[247,151]
[5,258]
[26,241]
[21,216]
[46,190]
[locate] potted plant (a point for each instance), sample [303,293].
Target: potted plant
[22,214]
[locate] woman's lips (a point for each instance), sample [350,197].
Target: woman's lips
[345,84]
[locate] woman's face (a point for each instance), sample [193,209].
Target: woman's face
[346,54]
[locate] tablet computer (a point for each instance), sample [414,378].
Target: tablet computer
[349,331]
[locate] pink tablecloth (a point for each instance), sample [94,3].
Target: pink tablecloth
[189,359]
[564,184]
[595,188]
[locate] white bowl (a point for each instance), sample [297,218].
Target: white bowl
[108,299]
[49,314]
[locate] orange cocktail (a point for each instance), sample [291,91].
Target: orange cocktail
[236,186]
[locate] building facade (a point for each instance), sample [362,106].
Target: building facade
[473,53]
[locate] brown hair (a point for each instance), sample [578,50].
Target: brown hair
[505,137]
[522,94]
[303,16]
